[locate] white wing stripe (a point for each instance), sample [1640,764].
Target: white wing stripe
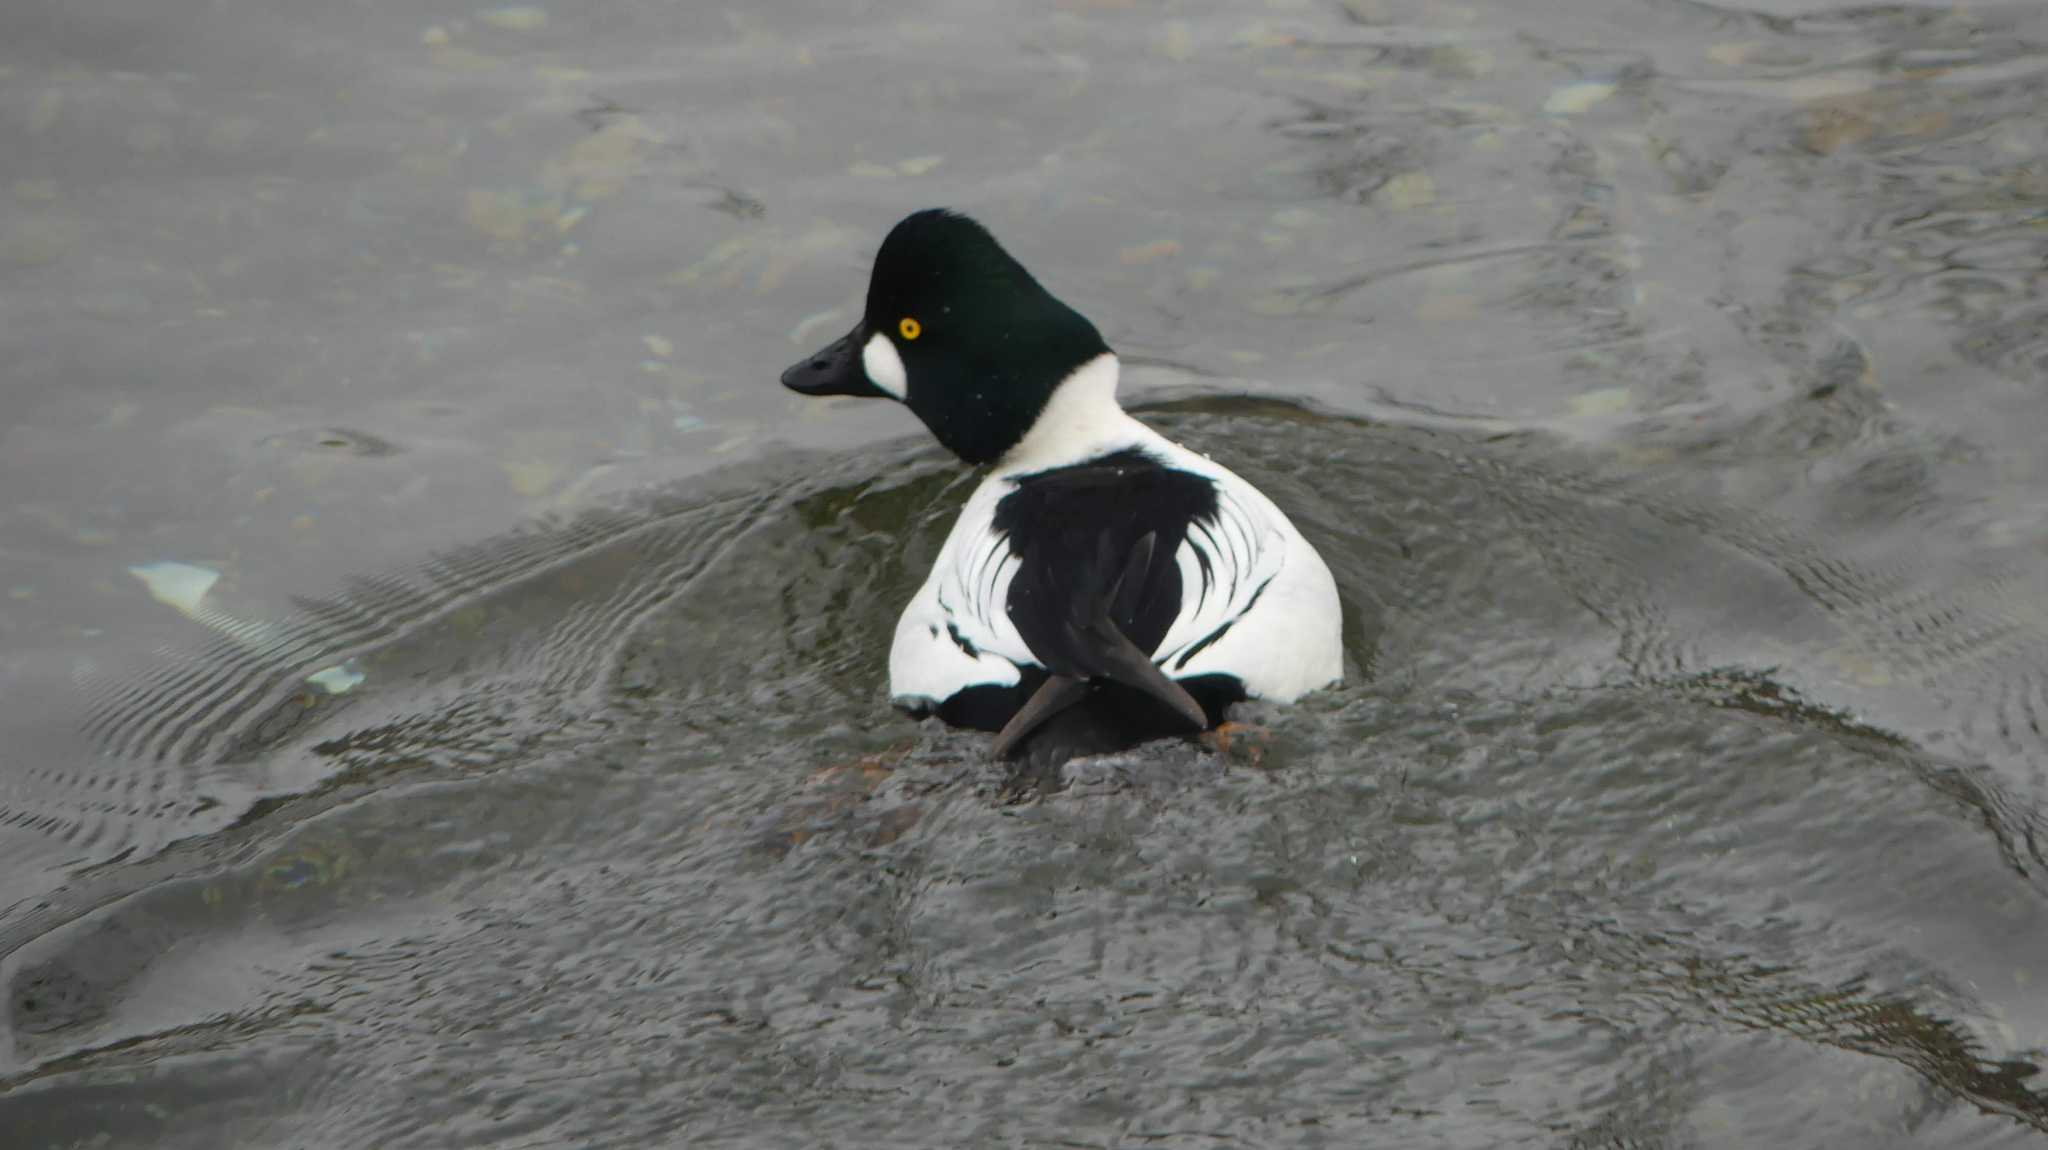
[1249,546]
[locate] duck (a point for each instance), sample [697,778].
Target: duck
[1103,586]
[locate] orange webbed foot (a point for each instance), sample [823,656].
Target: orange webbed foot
[1249,738]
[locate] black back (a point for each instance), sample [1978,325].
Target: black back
[991,345]
[1095,537]
[1077,533]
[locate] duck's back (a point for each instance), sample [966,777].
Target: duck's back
[1197,569]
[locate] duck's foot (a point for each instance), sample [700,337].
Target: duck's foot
[831,800]
[863,774]
[1247,739]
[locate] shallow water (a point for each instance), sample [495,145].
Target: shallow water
[490,748]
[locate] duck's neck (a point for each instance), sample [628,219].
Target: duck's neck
[1081,421]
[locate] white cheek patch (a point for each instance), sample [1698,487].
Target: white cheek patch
[885,367]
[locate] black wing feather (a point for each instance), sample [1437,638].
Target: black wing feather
[1096,587]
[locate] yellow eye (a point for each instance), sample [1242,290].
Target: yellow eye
[910,328]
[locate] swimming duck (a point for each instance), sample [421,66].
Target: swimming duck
[1104,585]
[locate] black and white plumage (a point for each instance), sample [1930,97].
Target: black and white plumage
[1103,585]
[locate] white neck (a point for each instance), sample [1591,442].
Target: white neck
[1081,421]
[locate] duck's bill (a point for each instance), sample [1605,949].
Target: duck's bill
[835,370]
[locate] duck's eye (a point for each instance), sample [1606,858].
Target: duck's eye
[910,328]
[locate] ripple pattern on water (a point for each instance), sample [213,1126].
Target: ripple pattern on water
[1545,834]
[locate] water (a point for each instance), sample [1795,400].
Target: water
[491,748]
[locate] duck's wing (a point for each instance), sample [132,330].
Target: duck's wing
[1054,696]
[1076,609]
[1094,586]
[1227,561]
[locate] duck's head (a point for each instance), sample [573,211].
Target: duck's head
[957,331]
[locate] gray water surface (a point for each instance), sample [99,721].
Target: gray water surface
[442,674]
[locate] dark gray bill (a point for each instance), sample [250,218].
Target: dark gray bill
[835,370]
